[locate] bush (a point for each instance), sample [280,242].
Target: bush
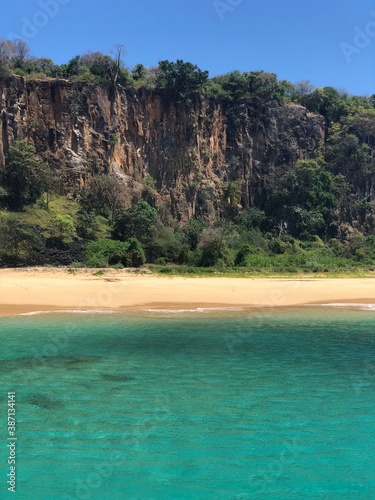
[106,252]
[136,222]
[251,218]
[17,241]
[213,246]
[87,225]
[103,196]
[63,228]
[192,232]
[278,246]
[161,261]
[24,175]
[167,245]
[242,254]
[135,253]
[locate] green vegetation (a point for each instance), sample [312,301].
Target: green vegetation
[63,228]
[17,240]
[235,85]
[243,246]
[180,80]
[317,216]
[24,176]
[136,222]
[105,253]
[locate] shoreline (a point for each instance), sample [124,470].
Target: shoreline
[32,290]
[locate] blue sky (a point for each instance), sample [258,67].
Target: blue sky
[296,39]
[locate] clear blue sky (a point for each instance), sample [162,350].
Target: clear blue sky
[296,39]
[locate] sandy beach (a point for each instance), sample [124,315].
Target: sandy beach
[41,289]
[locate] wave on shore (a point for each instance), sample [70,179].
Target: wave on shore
[196,310]
[351,305]
[70,311]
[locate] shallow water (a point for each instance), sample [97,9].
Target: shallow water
[217,405]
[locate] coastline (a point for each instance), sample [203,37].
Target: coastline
[31,290]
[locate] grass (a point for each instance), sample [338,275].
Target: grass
[311,264]
[39,215]
[307,262]
[99,273]
[248,273]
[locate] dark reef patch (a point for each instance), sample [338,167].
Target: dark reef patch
[44,402]
[57,362]
[116,378]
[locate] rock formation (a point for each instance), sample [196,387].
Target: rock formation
[191,152]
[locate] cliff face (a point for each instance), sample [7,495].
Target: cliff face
[192,152]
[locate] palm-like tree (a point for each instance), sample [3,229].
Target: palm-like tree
[231,194]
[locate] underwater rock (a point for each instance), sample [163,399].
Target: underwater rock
[44,402]
[65,362]
[116,378]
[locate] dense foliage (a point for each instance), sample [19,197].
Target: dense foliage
[181,80]
[318,215]
[24,176]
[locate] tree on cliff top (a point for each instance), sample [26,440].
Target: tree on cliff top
[180,80]
[13,53]
[99,68]
[235,85]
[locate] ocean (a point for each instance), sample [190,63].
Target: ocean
[190,404]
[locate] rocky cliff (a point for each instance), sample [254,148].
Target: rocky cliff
[191,152]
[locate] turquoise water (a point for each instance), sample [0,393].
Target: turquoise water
[278,405]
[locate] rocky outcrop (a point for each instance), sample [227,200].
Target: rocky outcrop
[191,152]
